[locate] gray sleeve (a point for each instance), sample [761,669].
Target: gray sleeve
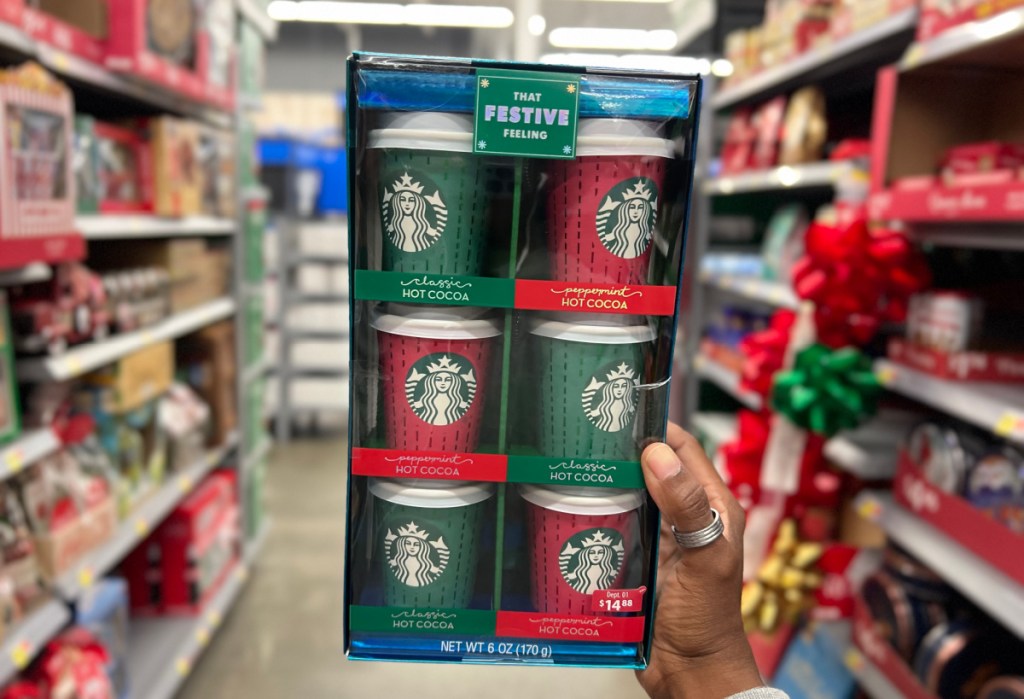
[760,693]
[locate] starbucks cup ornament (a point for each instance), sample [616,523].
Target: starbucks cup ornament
[603,206]
[433,366]
[590,374]
[431,193]
[427,540]
[580,541]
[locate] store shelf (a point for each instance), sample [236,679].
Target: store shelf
[314,334]
[868,462]
[727,380]
[988,235]
[299,297]
[24,641]
[784,177]
[869,677]
[82,359]
[718,427]
[325,259]
[163,651]
[35,272]
[771,293]
[869,46]
[982,43]
[986,586]
[252,11]
[107,227]
[137,526]
[995,407]
[26,450]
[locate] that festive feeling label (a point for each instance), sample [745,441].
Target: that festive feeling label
[533,114]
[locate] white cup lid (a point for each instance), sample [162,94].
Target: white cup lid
[443,131]
[432,495]
[576,500]
[445,323]
[621,137]
[594,332]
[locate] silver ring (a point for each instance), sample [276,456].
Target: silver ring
[701,537]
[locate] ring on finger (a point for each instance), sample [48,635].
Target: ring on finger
[701,537]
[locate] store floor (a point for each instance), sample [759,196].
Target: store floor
[283,640]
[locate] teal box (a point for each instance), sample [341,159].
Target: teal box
[516,237]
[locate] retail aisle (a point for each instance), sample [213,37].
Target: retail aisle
[284,637]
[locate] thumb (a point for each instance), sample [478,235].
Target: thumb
[678,494]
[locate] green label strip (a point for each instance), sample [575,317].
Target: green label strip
[422,620]
[448,290]
[599,473]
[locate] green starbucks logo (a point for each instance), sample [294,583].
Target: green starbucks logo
[440,388]
[413,212]
[591,560]
[413,557]
[626,218]
[609,400]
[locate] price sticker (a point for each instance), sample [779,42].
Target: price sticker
[214,618]
[21,653]
[870,509]
[203,637]
[147,337]
[183,666]
[1008,424]
[141,527]
[886,375]
[184,484]
[914,55]
[14,459]
[73,366]
[242,573]
[61,60]
[854,660]
[751,289]
[86,577]
[610,601]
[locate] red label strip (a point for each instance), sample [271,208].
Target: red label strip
[535,295]
[564,627]
[396,463]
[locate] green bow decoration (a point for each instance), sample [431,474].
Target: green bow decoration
[827,390]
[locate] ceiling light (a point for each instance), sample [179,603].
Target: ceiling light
[721,68]
[536,25]
[606,38]
[477,16]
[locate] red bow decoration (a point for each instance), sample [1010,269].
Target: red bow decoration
[742,457]
[764,352]
[858,280]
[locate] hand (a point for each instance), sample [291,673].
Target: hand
[700,649]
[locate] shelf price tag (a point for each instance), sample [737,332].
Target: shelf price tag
[914,55]
[611,601]
[886,375]
[854,660]
[870,509]
[213,618]
[14,460]
[86,577]
[184,484]
[73,366]
[21,653]
[141,527]
[1009,424]
[203,637]
[183,666]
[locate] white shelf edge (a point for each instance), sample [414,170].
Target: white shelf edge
[989,588]
[725,379]
[30,273]
[117,227]
[137,526]
[719,427]
[860,460]
[81,359]
[163,651]
[771,78]
[26,450]
[259,17]
[23,642]
[995,407]
[764,291]
[783,177]
[963,38]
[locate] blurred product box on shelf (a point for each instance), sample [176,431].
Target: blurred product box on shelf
[103,610]
[963,365]
[137,298]
[19,569]
[207,359]
[768,123]
[217,152]
[10,415]
[851,16]
[804,128]
[813,664]
[136,379]
[985,157]
[37,203]
[74,664]
[88,15]
[219,59]
[186,560]
[87,165]
[946,321]
[12,12]
[185,419]
[78,27]
[177,172]
[938,15]
[124,175]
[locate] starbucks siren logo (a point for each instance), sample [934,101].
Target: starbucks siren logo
[440,388]
[609,400]
[413,558]
[625,221]
[413,221]
[591,560]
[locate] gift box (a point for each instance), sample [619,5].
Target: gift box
[217,162]
[177,171]
[76,26]
[813,666]
[37,208]
[207,359]
[515,244]
[12,11]
[971,365]
[125,169]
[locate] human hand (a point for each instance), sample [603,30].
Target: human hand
[700,649]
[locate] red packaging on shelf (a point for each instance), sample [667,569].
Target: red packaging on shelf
[958,519]
[59,34]
[768,121]
[12,11]
[129,188]
[884,657]
[972,158]
[969,365]
[939,15]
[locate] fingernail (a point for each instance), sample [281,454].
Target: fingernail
[663,462]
